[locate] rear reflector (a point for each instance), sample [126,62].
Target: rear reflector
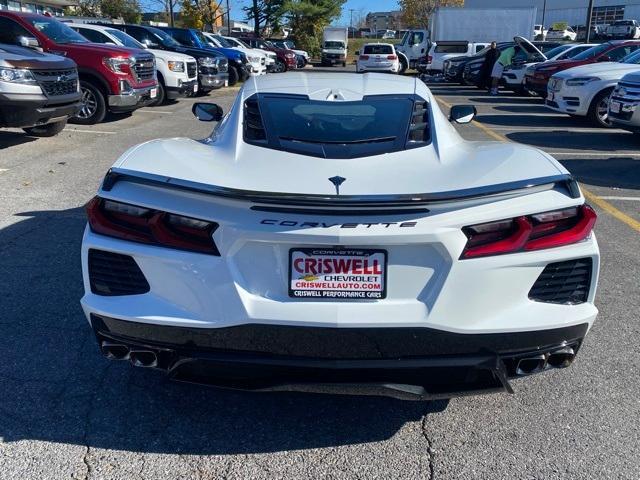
[144,225]
[532,232]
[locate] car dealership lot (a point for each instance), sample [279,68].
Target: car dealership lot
[66,412]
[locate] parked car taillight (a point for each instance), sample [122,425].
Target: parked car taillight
[364,57]
[392,57]
[430,59]
[145,225]
[531,232]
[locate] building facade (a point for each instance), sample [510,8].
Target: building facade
[377,21]
[573,12]
[53,7]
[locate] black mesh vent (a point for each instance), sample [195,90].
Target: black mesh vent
[419,132]
[253,126]
[564,282]
[112,274]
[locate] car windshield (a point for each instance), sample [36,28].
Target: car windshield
[632,58]
[165,39]
[269,44]
[340,129]
[592,52]
[56,31]
[201,38]
[223,41]
[237,42]
[289,44]
[557,51]
[332,44]
[127,40]
[378,49]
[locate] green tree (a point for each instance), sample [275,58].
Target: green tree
[128,10]
[264,13]
[416,13]
[307,19]
[200,14]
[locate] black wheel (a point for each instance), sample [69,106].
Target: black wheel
[281,67]
[94,107]
[599,109]
[161,95]
[233,76]
[48,130]
[403,66]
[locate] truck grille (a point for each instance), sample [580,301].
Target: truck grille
[192,69]
[564,282]
[56,83]
[112,274]
[144,68]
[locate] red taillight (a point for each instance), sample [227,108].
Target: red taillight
[429,59]
[364,57]
[144,225]
[533,232]
[392,57]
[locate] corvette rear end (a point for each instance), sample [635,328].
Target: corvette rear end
[334,250]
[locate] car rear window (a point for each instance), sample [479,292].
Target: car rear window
[378,50]
[337,129]
[451,49]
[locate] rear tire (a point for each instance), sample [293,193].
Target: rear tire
[598,109]
[281,67]
[48,130]
[403,66]
[94,107]
[233,76]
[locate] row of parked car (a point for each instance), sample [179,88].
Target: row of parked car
[618,30]
[54,70]
[600,82]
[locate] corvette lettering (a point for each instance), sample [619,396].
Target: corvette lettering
[293,223]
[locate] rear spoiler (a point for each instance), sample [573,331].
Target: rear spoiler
[565,182]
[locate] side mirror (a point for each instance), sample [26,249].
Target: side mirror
[29,42]
[462,113]
[148,43]
[207,112]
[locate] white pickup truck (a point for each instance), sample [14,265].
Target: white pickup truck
[441,51]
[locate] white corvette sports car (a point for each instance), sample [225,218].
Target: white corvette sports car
[335,231]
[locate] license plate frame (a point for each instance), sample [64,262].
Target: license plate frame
[340,294]
[153,93]
[615,107]
[550,96]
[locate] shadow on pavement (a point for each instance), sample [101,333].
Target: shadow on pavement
[606,172]
[502,99]
[604,141]
[12,139]
[56,387]
[534,108]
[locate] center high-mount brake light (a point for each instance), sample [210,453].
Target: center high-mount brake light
[144,225]
[531,232]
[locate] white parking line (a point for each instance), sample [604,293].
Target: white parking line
[78,130]
[4,170]
[155,111]
[630,199]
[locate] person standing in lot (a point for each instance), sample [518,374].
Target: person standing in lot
[504,60]
[490,59]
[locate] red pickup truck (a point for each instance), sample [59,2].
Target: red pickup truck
[112,78]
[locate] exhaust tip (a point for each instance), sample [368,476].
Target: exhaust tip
[561,358]
[143,358]
[531,365]
[114,351]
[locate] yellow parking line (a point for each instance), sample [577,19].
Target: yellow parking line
[592,197]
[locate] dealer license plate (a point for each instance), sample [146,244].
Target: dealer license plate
[343,274]
[153,92]
[195,88]
[615,107]
[550,96]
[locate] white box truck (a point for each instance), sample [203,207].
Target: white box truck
[334,46]
[469,25]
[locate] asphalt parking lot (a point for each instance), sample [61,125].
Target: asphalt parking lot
[65,412]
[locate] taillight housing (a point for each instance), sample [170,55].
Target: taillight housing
[429,59]
[364,57]
[154,227]
[530,232]
[392,57]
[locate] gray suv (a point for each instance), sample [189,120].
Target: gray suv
[38,91]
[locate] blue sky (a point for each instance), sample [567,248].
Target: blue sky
[363,6]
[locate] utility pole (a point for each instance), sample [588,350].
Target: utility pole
[351,10]
[228,19]
[544,11]
[589,15]
[170,3]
